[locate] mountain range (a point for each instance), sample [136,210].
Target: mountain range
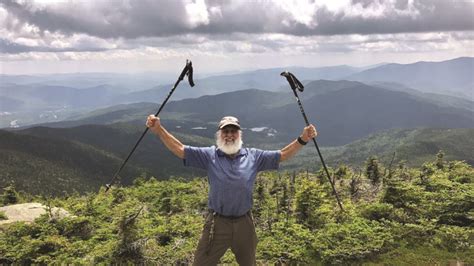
[26,100]
[346,110]
[64,137]
[453,77]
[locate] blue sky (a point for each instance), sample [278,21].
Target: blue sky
[137,36]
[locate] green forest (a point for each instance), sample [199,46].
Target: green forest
[393,214]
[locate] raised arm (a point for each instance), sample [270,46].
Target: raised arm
[291,149]
[172,143]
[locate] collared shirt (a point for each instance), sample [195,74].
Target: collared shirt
[231,180]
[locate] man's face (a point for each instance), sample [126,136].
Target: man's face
[229,139]
[229,134]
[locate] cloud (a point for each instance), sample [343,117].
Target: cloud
[160,30]
[146,18]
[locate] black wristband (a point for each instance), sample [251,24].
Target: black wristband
[301,141]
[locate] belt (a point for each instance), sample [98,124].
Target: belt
[230,217]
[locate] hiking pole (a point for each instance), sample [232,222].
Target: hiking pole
[188,70]
[295,84]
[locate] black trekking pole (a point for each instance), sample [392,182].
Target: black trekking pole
[295,84]
[188,70]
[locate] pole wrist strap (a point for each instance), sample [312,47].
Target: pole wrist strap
[301,141]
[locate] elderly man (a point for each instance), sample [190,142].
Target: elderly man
[231,172]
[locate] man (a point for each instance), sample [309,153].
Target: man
[231,173]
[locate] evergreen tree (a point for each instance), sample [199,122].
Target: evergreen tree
[10,196]
[354,185]
[373,170]
[440,160]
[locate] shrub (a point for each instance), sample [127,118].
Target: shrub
[454,238]
[10,196]
[350,242]
[287,243]
[311,205]
[377,211]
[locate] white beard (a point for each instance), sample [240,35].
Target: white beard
[228,148]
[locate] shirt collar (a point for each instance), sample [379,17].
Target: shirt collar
[241,152]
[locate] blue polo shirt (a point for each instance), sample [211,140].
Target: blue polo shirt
[231,180]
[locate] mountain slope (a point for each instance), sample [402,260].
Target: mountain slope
[411,145]
[352,113]
[454,77]
[118,139]
[55,166]
[55,160]
[344,111]
[435,98]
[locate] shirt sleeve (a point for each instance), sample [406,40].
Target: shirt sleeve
[267,160]
[197,156]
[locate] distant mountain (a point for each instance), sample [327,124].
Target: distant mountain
[344,111]
[33,104]
[52,98]
[436,98]
[8,104]
[454,77]
[265,79]
[133,81]
[40,97]
[352,113]
[47,98]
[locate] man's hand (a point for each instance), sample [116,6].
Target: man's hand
[153,122]
[309,132]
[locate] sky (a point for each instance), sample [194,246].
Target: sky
[131,36]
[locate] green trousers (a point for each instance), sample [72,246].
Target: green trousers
[221,233]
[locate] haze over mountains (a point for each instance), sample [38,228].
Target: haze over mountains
[346,110]
[93,125]
[53,99]
[453,77]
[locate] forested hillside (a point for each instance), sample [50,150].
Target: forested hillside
[51,166]
[410,216]
[84,158]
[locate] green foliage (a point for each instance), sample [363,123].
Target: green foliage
[454,238]
[10,196]
[377,211]
[3,216]
[285,243]
[373,170]
[406,197]
[440,160]
[350,242]
[312,207]
[402,220]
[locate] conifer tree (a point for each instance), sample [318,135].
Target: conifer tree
[10,196]
[440,160]
[373,170]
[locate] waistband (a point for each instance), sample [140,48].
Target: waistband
[230,217]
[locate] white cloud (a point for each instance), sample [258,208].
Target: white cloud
[300,11]
[197,13]
[146,31]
